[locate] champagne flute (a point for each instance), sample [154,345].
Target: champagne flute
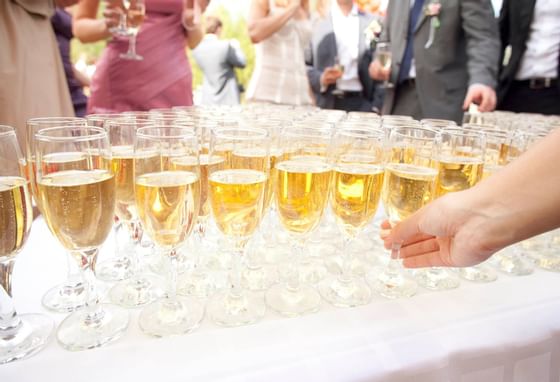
[25,334]
[70,294]
[118,267]
[168,201]
[356,189]
[79,205]
[410,183]
[340,68]
[237,193]
[139,289]
[302,192]
[384,56]
[460,163]
[135,13]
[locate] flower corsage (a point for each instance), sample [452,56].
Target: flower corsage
[432,10]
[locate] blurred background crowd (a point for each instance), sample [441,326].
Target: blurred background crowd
[423,58]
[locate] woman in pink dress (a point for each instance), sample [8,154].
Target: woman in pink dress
[163,78]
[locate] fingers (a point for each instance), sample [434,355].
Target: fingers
[420,247]
[406,229]
[431,259]
[488,102]
[188,4]
[469,98]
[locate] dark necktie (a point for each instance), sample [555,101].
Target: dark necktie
[415,12]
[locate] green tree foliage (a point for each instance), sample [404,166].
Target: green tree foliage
[233,29]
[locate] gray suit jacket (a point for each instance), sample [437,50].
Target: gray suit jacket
[321,54]
[465,51]
[217,59]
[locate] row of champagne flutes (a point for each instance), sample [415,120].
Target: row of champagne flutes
[301,165]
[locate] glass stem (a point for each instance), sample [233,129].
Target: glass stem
[9,321]
[235,276]
[201,236]
[136,233]
[346,274]
[172,281]
[293,282]
[394,265]
[132,45]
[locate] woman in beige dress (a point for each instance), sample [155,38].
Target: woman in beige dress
[281,30]
[32,81]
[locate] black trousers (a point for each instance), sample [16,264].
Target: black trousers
[522,99]
[354,103]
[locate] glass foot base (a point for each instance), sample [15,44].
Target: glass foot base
[345,293]
[131,56]
[136,291]
[436,279]
[84,329]
[33,334]
[259,279]
[478,273]
[65,298]
[168,317]
[293,303]
[117,269]
[514,265]
[227,310]
[198,284]
[548,262]
[392,285]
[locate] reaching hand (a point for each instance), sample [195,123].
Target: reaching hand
[377,72]
[443,233]
[482,95]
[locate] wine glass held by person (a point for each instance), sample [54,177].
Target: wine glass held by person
[465,228]
[134,87]
[20,335]
[78,205]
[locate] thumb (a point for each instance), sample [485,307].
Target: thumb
[468,100]
[406,229]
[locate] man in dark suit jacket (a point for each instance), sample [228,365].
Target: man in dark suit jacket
[445,57]
[340,37]
[530,33]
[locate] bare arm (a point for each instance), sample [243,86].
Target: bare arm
[81,77]
[262,24]
[465,228]
[192,13]
[87,27]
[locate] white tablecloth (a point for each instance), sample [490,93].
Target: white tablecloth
[505,331]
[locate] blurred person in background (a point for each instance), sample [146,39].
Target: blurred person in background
[32,82]
[62,26]
[444,58]
[338,58]
[217,59]
[163,78]
[281,30]
[530,32]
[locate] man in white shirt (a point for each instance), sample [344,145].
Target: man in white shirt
[530,33]
[338,58]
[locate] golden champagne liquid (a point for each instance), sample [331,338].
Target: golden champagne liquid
[208,164]
[507,154]
[168,204]
[355,194]
[254,159]
[302,191]
[16,215]
[236,197]
[458,174]
[78,206]
[135,17]
[407,188]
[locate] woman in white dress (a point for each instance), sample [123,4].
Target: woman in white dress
[281,30]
